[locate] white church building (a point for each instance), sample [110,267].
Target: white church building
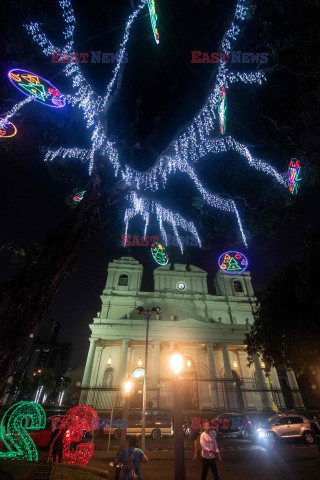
[208,329]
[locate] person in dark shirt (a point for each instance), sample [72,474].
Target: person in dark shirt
[134,450]
[57,441]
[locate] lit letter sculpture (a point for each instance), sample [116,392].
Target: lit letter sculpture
[72,427]
[15,422]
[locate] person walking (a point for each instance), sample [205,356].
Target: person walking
[209,452]
[57,436]
[131,458]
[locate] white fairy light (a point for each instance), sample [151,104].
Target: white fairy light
[180,156]
[122,52]
[17,107]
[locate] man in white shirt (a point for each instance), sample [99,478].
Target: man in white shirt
[210,449]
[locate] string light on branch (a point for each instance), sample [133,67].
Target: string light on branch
[294,174]
[198,141]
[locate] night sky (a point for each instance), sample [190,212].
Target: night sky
[162,90]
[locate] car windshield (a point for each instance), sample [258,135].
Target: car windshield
[272,419]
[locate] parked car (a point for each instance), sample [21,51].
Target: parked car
[286,426]
[158,424]
[232,425]
[42,437]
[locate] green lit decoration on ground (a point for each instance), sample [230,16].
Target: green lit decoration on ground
[154,18]
[15,422]
[159,253]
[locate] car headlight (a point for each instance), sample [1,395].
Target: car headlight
[261,433]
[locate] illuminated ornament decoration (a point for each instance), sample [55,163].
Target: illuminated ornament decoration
[222,110]
[294,174]
[79,196]
[159,253]
[153,18]
[7,129]
[73,424]
[37,87]
[233,262]
[15,422]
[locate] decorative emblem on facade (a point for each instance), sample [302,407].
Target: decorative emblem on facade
[233,262]
[159,253]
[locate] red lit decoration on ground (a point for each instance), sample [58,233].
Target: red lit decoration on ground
[15,422]
[294,173]
[7,129]
[79,196]
[233,262]
[72,427]
[41,89]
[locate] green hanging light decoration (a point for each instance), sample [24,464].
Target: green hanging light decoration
[154,18]
[159,253]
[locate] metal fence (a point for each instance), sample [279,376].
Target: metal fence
[218,395]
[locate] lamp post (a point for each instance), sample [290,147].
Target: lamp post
[127,390]
[176,363]
[147,315]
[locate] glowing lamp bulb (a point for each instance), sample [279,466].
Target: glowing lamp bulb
[188,363]
[127,386]
[140,362]
[109,361]
[176,362]
[263,365]
[235,365]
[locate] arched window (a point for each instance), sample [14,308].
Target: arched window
[123,280]
[237,286]
[108,377]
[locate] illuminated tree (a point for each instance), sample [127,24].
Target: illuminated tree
[58,252]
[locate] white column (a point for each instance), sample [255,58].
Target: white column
[230,386]
[298,402]
[212,374]
[123,361]
[226,361]
[266,396]
[86,381]
[243,368]
[156,361]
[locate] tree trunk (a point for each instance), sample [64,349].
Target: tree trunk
[24,298]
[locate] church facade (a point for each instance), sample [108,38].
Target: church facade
[209,330]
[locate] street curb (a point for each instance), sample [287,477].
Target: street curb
[95,471]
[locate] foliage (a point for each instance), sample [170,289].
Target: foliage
[27,386]
[286,330]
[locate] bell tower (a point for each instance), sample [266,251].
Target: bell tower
[124,274]
[233,285]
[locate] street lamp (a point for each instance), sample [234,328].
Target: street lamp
[147,315]
[176,363]
[109,361]
[127,389]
